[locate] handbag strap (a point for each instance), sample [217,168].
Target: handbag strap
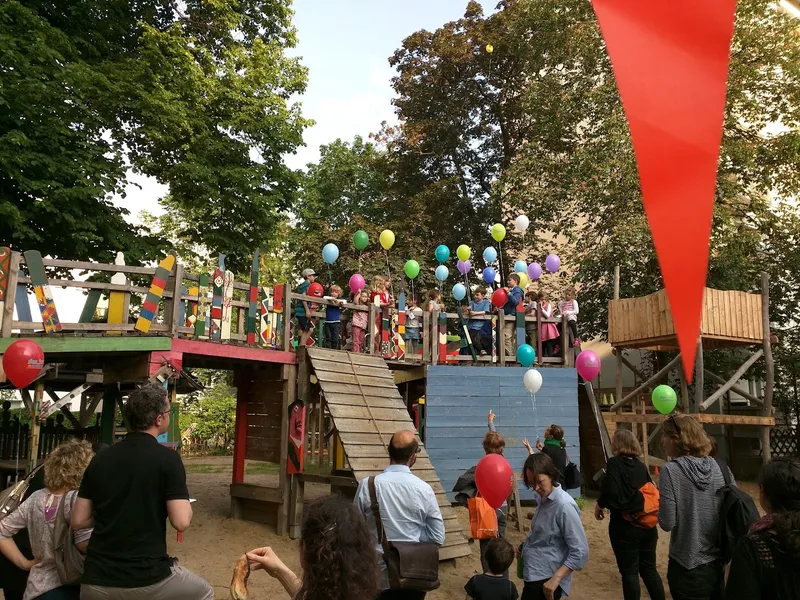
[376,513]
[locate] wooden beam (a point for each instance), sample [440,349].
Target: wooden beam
[729,384]
[620,354]
[766,448]
[38,395]
[94,267]
[707,418]
[734,388]
[605,440]
[218,350]
[699,384]
[27,400]
[655,378]
[409,375]
[684,390]
[66,344]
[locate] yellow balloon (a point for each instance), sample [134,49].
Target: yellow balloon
[489,48]
[463,252]
[387,239]
[498,232]
[524,280]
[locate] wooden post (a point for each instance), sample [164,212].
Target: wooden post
[290,376]
[172,310]
[642,409]
[501,337]
[566,349]
[33,446]
[426,337]
[684,390]
[287,318]
[699,392]
[242,384]
[618,351]
[11,295]
[373,330]
[730,383]
[109,413]
[321,429]
[434,335]
[766,448]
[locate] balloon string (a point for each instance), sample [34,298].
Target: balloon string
[500,258]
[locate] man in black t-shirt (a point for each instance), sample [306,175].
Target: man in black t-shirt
[127,494]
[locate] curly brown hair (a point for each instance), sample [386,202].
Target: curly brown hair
[338,553]
[688,434]
[64,468]
[493,443]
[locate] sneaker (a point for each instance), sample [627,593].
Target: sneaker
[576,343]
[484,353]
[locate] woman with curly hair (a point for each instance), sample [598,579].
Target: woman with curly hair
[336,552]
[63,471]
[766,562]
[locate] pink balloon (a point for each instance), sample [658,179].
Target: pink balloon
[588,365]
[356,283]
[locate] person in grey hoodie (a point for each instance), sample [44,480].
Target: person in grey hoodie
[690,509]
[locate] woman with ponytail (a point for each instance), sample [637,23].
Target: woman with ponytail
[766,562]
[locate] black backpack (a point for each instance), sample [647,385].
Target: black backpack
[736,513]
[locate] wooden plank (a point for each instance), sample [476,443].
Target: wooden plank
[452,552]
[358,400]
[325,376]
[339,411]
[427,475]
[345,426]
[710,419]
[261,493]
[372,463]
[324,357]
[10,296]
[363,451]
[364,439]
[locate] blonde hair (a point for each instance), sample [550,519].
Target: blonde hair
[336,288]
[379,284]
[625,444]
[63,469]
[689,435]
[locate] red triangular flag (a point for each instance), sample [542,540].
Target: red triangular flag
[671,63]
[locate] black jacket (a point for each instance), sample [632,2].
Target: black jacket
[465,487]
[559,458]
[624,477]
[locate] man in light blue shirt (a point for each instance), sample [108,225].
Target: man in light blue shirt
[408,507]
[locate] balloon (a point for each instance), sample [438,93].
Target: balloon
[534,271]
[490,254]
[498,232]
[494,479]
[489,275]
[532,380]
[521,223]
[357,283]
[411,268]
[664,399]
[499,298]
[523,280]
[442,272]
[520,266]
[387,239]
[489,48]
[526,355]
[553,263]
[22,362]
[360,239]
[330,252]
[464,266]
[442,253]
[459,292]
[463,252]
[316,289]
[588,365]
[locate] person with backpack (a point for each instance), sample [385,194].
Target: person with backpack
[45,513]
[629,494]
[690,509]
[766,562]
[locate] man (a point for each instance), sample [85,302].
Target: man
[127,494]
[408,507]
[515,296]
[303,308]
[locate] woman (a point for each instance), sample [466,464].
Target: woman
[554,446]
[63,471]
[766,563]
[556,545]
[549,332]
[337,555]
[689,509]
[634,546]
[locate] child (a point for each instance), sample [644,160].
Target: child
[378,289]
[515,296]
[388,290]
[360,321]
[465,341]
[303,310]
[530,311]
[549,332]
[569,308]
[492,585]
[480,330]
[333,318]
[413,324]
[380,298]
[433,301]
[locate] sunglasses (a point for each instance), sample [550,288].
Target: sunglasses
[674,423]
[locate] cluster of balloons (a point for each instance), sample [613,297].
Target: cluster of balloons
[23,361]
[664,399]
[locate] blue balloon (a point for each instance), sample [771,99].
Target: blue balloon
[526,355]
[330,253]
[442,254]
[489,275]
[490,254]
[442,272]
[459,292]
[520,267]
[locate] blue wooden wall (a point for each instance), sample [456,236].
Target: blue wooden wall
[458,400]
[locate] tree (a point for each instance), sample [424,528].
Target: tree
[195,94]
[213,416]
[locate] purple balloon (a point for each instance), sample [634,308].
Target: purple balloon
[357,283]
[489,275]
[464,266]
[553,263]
[534,271]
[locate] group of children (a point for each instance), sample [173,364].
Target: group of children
[479,329]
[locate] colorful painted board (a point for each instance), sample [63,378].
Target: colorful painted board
[227,305]
[442,337]
[43,296]
[494,338]
[252,307]
[297,426]
[218,283]
[385,320]
[150,307]
[5,268]
[375,327]
[399,336]
[520,320]
[266,326]
[116,300]
[90,306]
[466,334]
[21,302]
[200,325]
[182,306]
[277,308]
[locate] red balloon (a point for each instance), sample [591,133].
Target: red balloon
[315,289]
[495,479]
[499,298]
[22,362]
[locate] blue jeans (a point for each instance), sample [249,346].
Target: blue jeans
[65,592]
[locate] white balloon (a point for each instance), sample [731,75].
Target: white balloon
[522,222]
[532,380]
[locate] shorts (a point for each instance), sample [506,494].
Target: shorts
[412,333]
[305,323]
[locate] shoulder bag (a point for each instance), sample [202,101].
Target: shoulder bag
[68,559]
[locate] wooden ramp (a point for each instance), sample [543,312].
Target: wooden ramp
[367,409]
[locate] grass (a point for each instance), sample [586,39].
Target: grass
[259,468]
[581,502]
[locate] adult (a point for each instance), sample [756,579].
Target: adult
[128,493]
[336,552]
[554,446]
[766,562]
[690,509]
[634,547]
[556,545]
[408,508]
[63,471]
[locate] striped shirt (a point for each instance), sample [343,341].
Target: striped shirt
[569,308]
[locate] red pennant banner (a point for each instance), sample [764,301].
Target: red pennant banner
[671,63]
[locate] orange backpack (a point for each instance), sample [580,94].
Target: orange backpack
[482,519]
[647,518]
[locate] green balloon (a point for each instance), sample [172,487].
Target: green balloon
[411,269]
[360,239]
[664,399]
